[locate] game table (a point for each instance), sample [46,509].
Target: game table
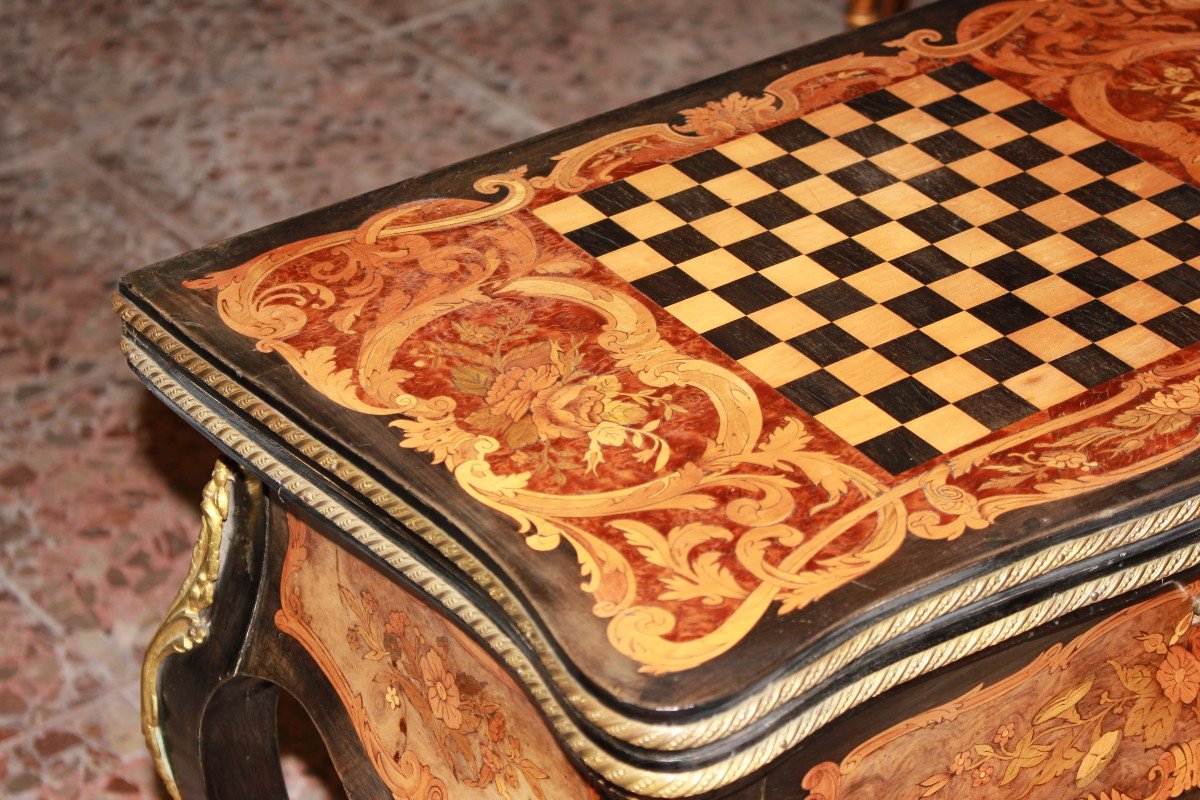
[826,429]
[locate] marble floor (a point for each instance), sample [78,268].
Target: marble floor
[131,131]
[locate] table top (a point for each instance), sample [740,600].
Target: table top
[714,403]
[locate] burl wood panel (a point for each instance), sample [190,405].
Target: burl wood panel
[436,716]
[696,497]
[1110,715]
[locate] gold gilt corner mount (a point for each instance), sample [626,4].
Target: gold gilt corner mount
[186,624]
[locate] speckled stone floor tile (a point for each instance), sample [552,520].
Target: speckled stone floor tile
[95,754]
[40,675]
[570,60]
[288,141]
[30,125]
[102,58]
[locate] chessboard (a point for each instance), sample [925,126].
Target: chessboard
[916,268]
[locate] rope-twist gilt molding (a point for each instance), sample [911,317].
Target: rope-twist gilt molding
[649,782]
[186,623]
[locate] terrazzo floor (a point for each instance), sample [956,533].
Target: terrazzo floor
[132,131]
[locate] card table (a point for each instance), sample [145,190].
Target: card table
[827,429]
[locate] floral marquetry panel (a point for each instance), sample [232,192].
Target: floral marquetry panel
[1111,715]
[436,716]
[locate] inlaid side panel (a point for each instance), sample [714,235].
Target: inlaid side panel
[916,267]
[1110,715]
[436,716]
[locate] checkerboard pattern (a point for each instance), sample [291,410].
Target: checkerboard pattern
[916,267]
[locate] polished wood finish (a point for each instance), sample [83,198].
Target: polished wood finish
[713,419]
[864,12]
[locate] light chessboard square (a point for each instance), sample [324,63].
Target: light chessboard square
[917,267]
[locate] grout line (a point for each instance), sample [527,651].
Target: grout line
[28,158]
[10,584]
[189,237]
[433,17]
[358,16]
[464,73]
[373,24]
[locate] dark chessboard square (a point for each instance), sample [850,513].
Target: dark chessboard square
[1002,359]
[1091,366]
[1031,116]
[871,140]
[921,307]
[1181,241]
[1013,270]
[1106,158]
[929,264]
[1095,320]
[854,217]
[740,338]
[935,223]
[898,450]
[914,352]
[996,407]
[906,399]
[706,165]
[680,244]
[835,300]
[1100,236]
[1180,327]
[954,110]
[762,250]
[941,184]
[1183,201]
[793,135]
[1017,230]
[827,344]
[961,76]
[845,258]
[948,146]
[601,237]
[818,391]
[773,210]
[615,197]
[1007,313]
[694,203]
[669,286]
[784,171]
[751,293]
[1026,152]
[862,178]
[1180,283]
[1103,196]
[879,105]
[1098,277]
[1022,190]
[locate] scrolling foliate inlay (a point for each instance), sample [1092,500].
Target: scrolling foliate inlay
[1111,715]
[695,498]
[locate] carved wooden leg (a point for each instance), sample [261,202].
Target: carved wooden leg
[212,731]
